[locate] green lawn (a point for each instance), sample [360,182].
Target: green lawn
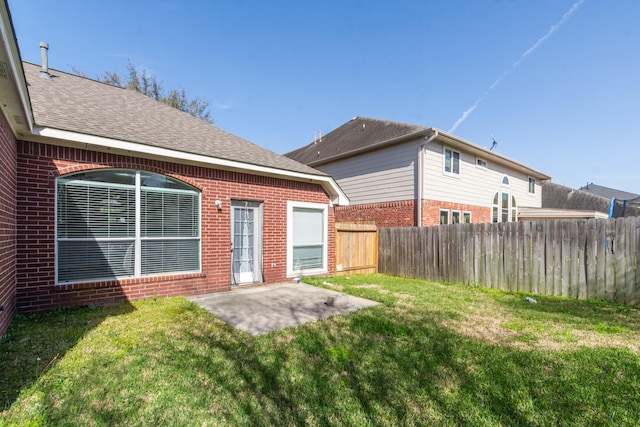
[430,354]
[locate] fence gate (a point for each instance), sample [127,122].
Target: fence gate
[356,248]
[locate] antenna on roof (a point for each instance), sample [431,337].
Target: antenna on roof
[494,144]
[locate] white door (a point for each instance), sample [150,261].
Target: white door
[246,238]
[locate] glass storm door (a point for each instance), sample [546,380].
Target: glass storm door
[246,229]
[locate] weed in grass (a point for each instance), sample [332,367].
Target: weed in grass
[605,328]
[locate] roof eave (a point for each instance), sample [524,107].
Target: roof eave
[376,146]
[16,103]
[490,155]
[102,144]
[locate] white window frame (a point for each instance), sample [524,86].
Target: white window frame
[291,205]
[512,208]
[137,239]
[481,163]
[448,216]
[444,162]
[453,214]
[529,189]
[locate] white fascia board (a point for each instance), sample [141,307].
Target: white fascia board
[131,148]
[491,155]
[15,63]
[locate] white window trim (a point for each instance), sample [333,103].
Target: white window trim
[448,216]
[454,211]
[444,162]
[534,185]
[325,219]
[137,239]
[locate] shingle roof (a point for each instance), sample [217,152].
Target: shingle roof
[358,133]
[609,193]
[78,104]
[561,197]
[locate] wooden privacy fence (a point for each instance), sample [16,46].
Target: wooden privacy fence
[592,259]
[356,248]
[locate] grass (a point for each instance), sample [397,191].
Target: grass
[430,354]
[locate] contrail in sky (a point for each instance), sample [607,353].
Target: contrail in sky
[528,52]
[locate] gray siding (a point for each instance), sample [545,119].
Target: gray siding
[474,185]
[383,175]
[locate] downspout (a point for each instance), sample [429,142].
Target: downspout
[421,177]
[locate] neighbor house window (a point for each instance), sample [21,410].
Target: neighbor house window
[113,223]
[504,208]
[466,217]
[444,216]
[455,217]
[532,185]
[307,238]
[451,161]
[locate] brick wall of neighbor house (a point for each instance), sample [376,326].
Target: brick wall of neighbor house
[7,224]
[402,214]
[39,165]
[431,211]
[385,214]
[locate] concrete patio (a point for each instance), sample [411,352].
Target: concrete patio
[264,309]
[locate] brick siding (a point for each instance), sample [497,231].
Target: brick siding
[40,164]
[402,213]
[7,224]
[387,214]
[431,212]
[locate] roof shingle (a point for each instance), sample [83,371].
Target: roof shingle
[358,133]
[78,104]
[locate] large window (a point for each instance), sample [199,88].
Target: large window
[504,208]
[451,161]
[307,238]
[113,223]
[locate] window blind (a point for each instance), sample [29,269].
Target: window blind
[98,232]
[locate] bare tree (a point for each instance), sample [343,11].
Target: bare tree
[148,84]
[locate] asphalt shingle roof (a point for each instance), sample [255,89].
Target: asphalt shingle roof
[561,197]
[78,104]
[607,192]
[358,133]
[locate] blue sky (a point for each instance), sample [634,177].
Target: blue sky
[557,82]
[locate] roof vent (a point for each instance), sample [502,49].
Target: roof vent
[44,56]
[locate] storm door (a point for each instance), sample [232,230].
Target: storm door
[246,238]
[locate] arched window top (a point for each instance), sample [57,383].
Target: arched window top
[513,202]
[505,180]
[128,177]
[495,198]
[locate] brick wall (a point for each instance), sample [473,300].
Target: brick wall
[40,164]
[7,224]
[387,214]
[402,213]
[431,212]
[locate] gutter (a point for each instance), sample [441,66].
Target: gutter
[420,194]
[92,142]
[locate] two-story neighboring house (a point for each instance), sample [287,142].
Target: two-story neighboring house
[399,174]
